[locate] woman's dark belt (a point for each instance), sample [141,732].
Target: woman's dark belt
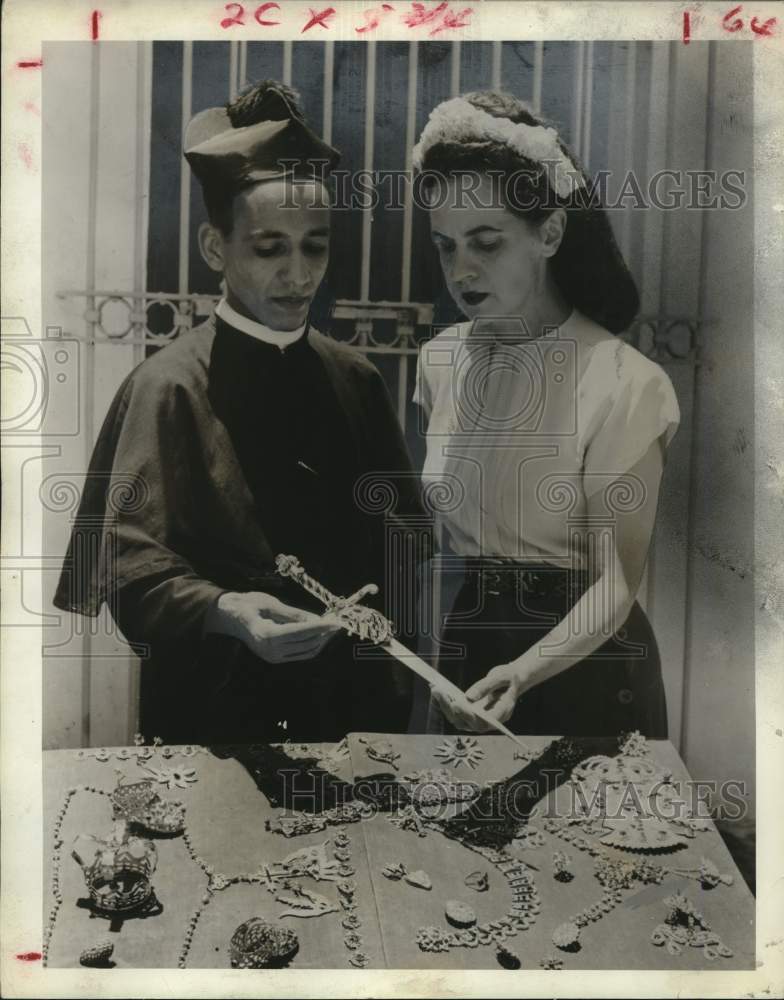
[538,580]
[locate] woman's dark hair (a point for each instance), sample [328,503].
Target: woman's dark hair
[588,268]
[249,107]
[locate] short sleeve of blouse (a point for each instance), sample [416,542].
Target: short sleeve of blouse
[422,394]
[628,403]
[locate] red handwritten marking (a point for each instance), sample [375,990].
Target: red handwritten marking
[30,956]
[373,19]
[319,18]
[236,19]
[730,25]
[452,19]
[30,63]
[686,27]
[763,29]
[96,16]
[27,159]
[420,15]
[29,106]
[262,10]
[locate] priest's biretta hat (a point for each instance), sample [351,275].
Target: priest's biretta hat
[278,143]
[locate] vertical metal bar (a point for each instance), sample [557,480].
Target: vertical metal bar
[691,512]
[495,73]
[454,77]
[370,122]
[628,157]
[408,205]
[536,97]
[329,84]
[185,173]
[588,116]
[143,138]
[89,394]
[579,98]
[287,54]
[233,69]
[242,69]
[402,390]
[141,232]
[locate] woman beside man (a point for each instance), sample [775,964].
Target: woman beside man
[247,435]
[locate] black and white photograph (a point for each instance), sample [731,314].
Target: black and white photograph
[392,499]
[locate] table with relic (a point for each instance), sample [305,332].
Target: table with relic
[388,851]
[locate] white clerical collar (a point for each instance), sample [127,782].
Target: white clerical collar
[280,338]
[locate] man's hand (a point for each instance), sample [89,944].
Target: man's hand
[274,631]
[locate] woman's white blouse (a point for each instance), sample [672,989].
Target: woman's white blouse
[520,435]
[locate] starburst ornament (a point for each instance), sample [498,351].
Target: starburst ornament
[460,750]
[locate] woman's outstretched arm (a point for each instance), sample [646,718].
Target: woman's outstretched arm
[618,566]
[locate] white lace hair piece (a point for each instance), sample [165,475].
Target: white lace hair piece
[457,120]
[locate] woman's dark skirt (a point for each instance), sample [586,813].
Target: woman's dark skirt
[503,609]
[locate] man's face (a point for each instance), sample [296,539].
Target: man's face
[276,256]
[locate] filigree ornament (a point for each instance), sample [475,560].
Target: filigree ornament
[329,760]
[296,826]
[562,863]
[408,818]
[460,750]
[301,902]
[528,838]
[640,833]
[98,955]
[139,803]
[685,927]
[619,772]
[258,944]
[478,881]
[708,875]
[173,777]
[397,871]
[507,958]
[381,751]
[459,914]
[117,870]
[308,861]
[431,788]
[434,939]
[633,744]
[394,871]
[567,936]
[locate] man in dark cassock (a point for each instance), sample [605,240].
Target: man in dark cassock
[243,439]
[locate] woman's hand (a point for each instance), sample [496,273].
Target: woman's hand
[496,693]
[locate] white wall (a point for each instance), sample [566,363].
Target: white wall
[94,181]
[719,735]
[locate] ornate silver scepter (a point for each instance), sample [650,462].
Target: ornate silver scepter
[370,624]
[367,623]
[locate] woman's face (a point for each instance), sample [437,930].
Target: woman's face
[494,262]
